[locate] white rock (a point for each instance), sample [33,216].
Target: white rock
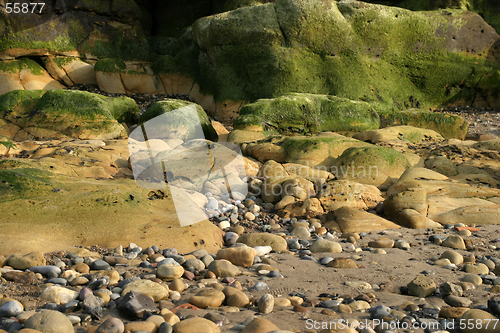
[262,250]
[58,295]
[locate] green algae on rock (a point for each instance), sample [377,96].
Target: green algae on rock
[63,113]
[406,133]
[373,165]
[448,125]
[307,114]
[185,126]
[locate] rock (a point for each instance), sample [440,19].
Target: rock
[442,165]
[350,219]
[449,288]
[266,303]
[381,243]
[455,257]
[99,265]
[111,325]
[480,318]
[323,245]
[48,321]
[235,297]
[259,325]
[240,256]
[154,290]
[46,270]
[421,286]
[472,278]
[494,305]
[194,325]
[359,305]
[452,312]
[394,133]
[207,297]
[373,165]
[412,219]
[135,305]
[342,263]
[20,277]
[169,272]
[140,326]
[223,268]
[477,269]
[277,243]
[457,301]
[58,295]
[455,242]
[11,309]
[22,262]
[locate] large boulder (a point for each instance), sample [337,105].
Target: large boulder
[269,50]
[373,165]
[307,114]
[65,113]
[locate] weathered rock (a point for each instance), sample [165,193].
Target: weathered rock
[169,272]
[421,286]
[223,268]
[259,325]
[480,318]
[266,303]
[154,290]
[323,245]
[336,194]
[235,297]
[135,305]
[207,297]
[58,295]
[278,243]
[455,242]
[240,256]
[342,263]
[351,219]
[49,321]
[393,133]
[111,325]
[194,325]
[22,262]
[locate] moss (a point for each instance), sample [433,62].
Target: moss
[62,61]
[19,101]
[123,109]
[175,120]
[308,114]
[120,47]
[449,126]
[15,66]
[108,65]
[22,182]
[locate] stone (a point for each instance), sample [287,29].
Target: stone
[351,219]
[46,270]
[454,257]
[301,232]
[140,326]
[20,277]
[207,297]
[135,305]
[473,278]
[111,325]
[457,301]
[235,297]
[323,245]
[58,295]
[176,285]
[193,265]
[455,242]
[99,265]
[480,318]
[22,262]
[452,312]
[240,256]
[449,288]
[494,305]
[223,268]
[421,286]
[359,305]
[259,325]
[194,325]
[277,243]
[381,243]
[480,269]
[169,272]
[48,321]
[266,303]
[154,290]
[342,263]
[11,309]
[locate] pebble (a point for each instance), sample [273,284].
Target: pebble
[212,204]
[11,309]
[455,242]
[421,286]
[49,321]
[381,243]
[266,303]
[249,216]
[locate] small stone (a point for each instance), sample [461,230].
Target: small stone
[193,265]
[231,238]
[235,297]
[449,288]
[494,305]
[258,325]
[452,312]
[249,216]
[111,325]
[266,303]
[135,305]
[453,256]
[457,301]
[474,279]
[323,245]
[480,269]
[359,305]
[11,309]
[46,270]
[100,265]
[301,232]
[223,268]
[212,204]
[342,263]
[155,290]
[421,286]
[455,242]
[300,308]
[169,272]
[58,295]
[480,318]
[140,326]
[381,243]
[240,256]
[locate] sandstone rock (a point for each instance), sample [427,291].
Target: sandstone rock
[455,242]
[482,318]
[412,219]
[351,219]
[154,290]
[259,325]
[49,321]
[277,243]
[407,133]
[58,295]
[323,245]
[223,268]
[194,325]
[240,256]
[169,272]
[381,243]
[22,262]
[207,297]
[342,263]
[442,165]
[235,297]
[266,303]
[421,286]
[111,325]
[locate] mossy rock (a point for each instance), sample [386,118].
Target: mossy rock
[390,57]
[448,125]
[61,113]
[109,65]
[15,66]
[186,126]
[404,133]
[307,114]
[373,165]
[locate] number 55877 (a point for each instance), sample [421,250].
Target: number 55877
[24,8]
